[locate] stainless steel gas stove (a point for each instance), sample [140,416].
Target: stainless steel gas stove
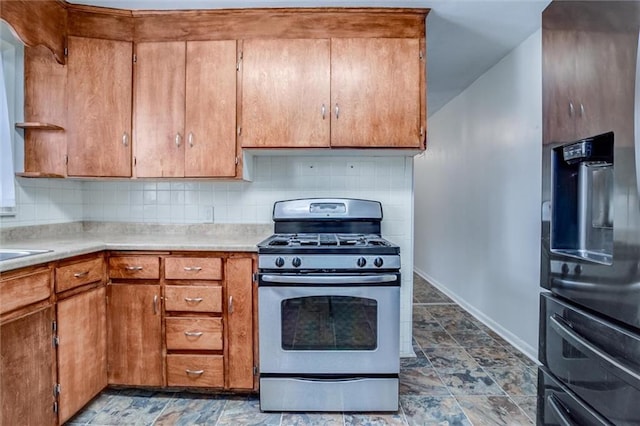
[329,302]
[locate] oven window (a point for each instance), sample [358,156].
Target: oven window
[318,323]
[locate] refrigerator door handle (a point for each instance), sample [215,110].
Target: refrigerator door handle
[636,119]
[589,349]
[561,415]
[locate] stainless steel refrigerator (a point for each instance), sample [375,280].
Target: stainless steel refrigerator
[589,342]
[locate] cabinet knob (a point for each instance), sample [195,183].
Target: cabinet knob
[571,109]
[178,138]
[190,139]
[324,109]
[125,139]
[581,110]
[230,304]
[337,111]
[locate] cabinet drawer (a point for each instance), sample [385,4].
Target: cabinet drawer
[196,268]
[194,333]
[24,290]
[193,298]
[71,276]
[134,267]
[195,370]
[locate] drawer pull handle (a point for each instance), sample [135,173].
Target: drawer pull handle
[155,304]
[133,268]
[194,372]
[193,333]
[81,274]
[609,362]
[230,304]
[192,268]
[193,299]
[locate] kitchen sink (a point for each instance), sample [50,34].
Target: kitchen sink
[6,254]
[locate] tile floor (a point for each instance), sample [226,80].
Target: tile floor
[464,374]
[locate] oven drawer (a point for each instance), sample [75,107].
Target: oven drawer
[558,406]
[193,298]
[194,333]
[595,359]
[195,370]
[305,394]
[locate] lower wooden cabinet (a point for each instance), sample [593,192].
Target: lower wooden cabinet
[82,350]
[134,334]
[240,354]
[27,370]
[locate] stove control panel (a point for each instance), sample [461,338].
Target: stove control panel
[324,262]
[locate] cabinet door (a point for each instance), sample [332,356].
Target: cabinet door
[559,103]
[210,113]
[375,93]
[27,370]
[159,76]
[99,107]
[134,335]
[239,323]
[82,352]
[605,65]
[285,93]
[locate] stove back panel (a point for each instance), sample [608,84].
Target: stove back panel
[328,226]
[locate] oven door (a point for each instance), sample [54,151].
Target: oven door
[329,324]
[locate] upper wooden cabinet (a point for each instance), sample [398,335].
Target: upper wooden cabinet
[185,109]
[99,107]
[285,93]
[358,93]
[588,62]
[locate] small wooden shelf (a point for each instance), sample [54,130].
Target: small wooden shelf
[38,175]
[34,125]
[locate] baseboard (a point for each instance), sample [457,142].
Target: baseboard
[521,345]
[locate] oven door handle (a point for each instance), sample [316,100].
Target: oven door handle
[337,279]
[589,349]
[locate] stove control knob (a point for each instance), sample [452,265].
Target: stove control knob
[378,262]
[296,262]
[361,262]
[279,262]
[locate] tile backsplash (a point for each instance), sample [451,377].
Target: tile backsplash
[388,179]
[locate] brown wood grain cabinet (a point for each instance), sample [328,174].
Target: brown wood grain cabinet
[185,109]
[285,93]
[27,370]
[375,93]
[240,323]
[45,100]
[99,107]
[355,93]
[134,330]
[135,354]
[82,350]
[587,84]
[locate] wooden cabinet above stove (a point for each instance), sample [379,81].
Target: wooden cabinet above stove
[363,85]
